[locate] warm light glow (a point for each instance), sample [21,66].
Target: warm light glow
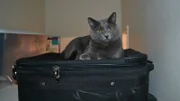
[125,38]
[124,41]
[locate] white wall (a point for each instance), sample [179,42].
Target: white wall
[69,17]
[155,30]
[26,15]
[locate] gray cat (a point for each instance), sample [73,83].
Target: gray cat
[105,41]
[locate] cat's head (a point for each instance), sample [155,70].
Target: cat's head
[105,30]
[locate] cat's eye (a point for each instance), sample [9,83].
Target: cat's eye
[99,30]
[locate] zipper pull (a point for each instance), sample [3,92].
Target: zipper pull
[56,70]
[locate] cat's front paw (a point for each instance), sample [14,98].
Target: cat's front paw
[99,58]
[84,57]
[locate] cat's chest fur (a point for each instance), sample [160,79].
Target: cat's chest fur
[104,51]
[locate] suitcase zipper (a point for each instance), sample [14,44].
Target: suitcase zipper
[56,70]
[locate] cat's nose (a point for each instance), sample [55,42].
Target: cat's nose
[106,36]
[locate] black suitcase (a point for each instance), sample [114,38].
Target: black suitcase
[48,77]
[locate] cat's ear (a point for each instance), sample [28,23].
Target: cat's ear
[93,23]
[112,18]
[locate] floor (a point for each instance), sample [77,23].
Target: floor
[8,91]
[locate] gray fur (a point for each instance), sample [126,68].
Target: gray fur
[104,44]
